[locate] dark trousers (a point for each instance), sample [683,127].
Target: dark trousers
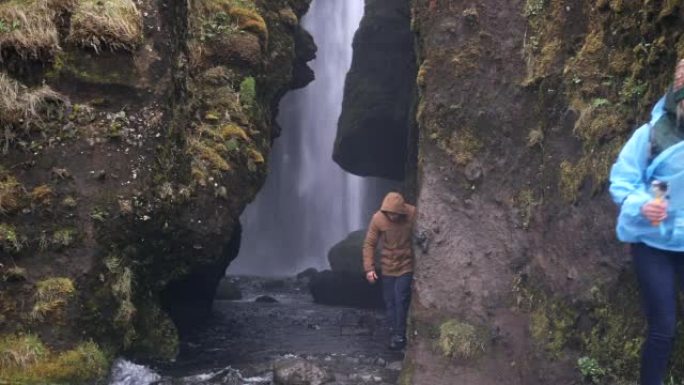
[397,294]
[659,274]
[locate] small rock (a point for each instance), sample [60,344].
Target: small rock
[380,362]
[353,360]
[396,365]
[297,371]
[473,171]
[265,299]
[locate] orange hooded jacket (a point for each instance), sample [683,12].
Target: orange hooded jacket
[397,251]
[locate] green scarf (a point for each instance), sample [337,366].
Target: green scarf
[666,132]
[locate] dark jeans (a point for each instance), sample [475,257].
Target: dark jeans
[397,294]
[659,273]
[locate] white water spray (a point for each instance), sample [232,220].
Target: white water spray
[308,202]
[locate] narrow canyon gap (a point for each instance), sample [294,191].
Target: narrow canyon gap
[308,202]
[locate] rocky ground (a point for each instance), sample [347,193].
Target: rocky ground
[275,334]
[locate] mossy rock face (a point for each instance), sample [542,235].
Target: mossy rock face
[538,97]
[126,160]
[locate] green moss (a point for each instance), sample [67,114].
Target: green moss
[51,297]
[25,360]
[552,324]
[613,334]
[73,64]
[248,92]
[156,336]
[64,238]
[460,340]
[407,371]
[534,7]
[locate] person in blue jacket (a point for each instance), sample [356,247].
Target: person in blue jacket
[654,224]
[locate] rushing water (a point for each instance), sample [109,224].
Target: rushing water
[308,202]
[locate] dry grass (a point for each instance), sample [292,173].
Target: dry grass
[100,24]
[28,28]
[42,195]
[21,107]
[11,193]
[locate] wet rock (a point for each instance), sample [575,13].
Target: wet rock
[228,290]
[345,289]
[307,274]
[265,299]
[373,129]
[297,371]
[346,256]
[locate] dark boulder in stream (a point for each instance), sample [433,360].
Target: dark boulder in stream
[341,288]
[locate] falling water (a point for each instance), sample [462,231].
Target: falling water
[308,202]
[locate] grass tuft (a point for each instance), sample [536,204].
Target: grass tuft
[11,193]
[9,240]
[25,360]
[100,24]
[51,295]
[23,108]
[42,195]
[27,28]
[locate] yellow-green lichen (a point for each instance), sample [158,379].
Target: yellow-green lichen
[462,146]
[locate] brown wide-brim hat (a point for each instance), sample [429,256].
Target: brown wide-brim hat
[394,203]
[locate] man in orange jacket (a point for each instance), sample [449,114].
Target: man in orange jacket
[393,225]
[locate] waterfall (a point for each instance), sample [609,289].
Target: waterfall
[308,202]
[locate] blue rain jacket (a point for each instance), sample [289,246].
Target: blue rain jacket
[630,181]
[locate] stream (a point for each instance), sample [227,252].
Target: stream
[245,339]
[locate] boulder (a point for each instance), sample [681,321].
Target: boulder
[347,255]
[298,371]
[374,126]
[341,288]
[228,290]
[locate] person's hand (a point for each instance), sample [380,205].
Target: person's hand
[371,276]
[655,211]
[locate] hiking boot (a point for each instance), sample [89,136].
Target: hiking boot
[397,343]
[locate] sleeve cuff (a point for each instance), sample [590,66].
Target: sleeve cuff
[632,204]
